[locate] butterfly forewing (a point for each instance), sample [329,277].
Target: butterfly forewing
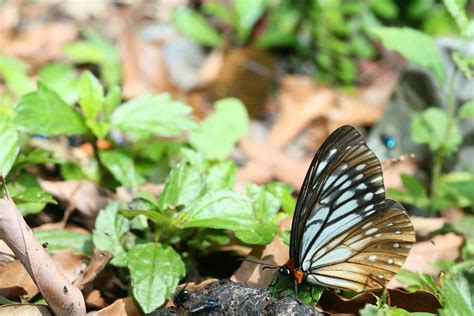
[342,219]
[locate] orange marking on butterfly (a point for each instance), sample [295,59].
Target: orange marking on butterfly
[297,273]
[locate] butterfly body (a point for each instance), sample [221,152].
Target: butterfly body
[345,234]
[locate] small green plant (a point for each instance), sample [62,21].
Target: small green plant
[436,127]
[198,207]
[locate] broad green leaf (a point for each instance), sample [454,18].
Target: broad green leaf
[59,239]
[457,12]
[122,167]
[44,112]
[247,15]
[418,281]
[458,185]
[431,128]
[265,204]
[284,193]
[192,24]
[91,95]
[62,79]
[217,135]
[97,50]
[261,235]
[84,52]
[218,10]
[424,52]
[221,209]
[183,185]
[28,195]
[385,8]
[109,233]
[155,271]
[112,99]
[36,157]
[153,115]
[413,185]
[14,72]
[467,110]
[222,175]
[9,144]
[458,294]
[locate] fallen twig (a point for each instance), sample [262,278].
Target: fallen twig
[63,298]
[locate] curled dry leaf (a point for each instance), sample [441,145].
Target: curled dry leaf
[83,195]
[39,43]
[97,264]
[24,309]
[144,68]
[95,300]
[70,263]
[425,226]
[61,295]
[15,281]
[419,301]
[424,254]
[121,307]
[301,101]
[252,274]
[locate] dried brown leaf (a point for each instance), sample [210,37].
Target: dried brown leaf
[121,307]
[24,309]
[61,295]
[15,281]
[419,301]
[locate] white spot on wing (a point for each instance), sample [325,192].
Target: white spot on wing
[347,195]
[362,186]
[368,196]
[372,258]
[360,167]
[371,231]
[390,261]
[396,245]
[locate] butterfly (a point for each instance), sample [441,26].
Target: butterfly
[345,234]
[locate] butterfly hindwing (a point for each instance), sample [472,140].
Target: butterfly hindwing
[368,255]
[342,219]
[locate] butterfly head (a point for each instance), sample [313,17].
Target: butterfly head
[288,269]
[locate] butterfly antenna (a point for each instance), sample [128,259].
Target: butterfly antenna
[266,265]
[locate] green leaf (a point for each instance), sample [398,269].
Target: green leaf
[44,112]
[418,281]
[112,99]
[109,233]
[282,286]
[183,185]
[284,193]
[431,128]
[10,147]
[59,239]
[218,134]
[62,79]
[247,15]
[14,73]
[91,95]
[151,115]
[218,10]
[424,53]
[28,195]
[192,24]
[155,271]
[457,12]
[458,294]
[467,110]
[222,175]
[261,235]
[97,50]
[385,8]
[122,167]
[265,204]
[220,209]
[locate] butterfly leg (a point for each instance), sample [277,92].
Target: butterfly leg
[296,288]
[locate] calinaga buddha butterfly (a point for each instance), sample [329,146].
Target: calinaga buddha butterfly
[345,234]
